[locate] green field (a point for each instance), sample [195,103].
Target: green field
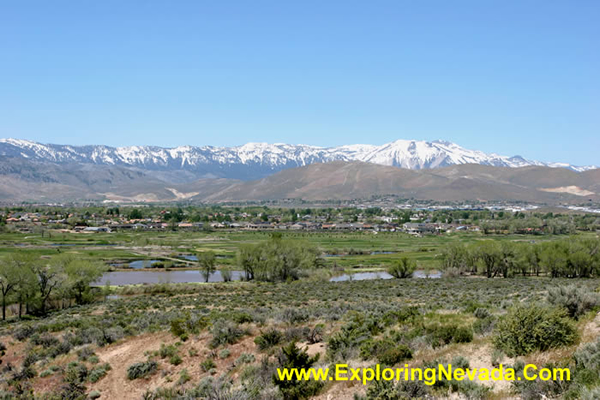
[129,246]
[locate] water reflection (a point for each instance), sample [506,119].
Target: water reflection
[148,277]
[363,276]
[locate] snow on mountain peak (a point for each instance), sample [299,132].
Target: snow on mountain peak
[255,160]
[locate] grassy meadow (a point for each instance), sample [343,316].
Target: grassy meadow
[226,340]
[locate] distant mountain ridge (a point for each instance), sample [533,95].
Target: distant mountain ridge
[258,160]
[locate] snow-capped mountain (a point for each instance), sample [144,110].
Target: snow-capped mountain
[257,160]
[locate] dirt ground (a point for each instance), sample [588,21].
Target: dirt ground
[116,385]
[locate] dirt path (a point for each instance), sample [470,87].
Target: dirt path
[120,356]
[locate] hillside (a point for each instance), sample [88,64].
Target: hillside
[340,180]
[26,180]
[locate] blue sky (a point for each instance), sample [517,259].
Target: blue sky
[514,77]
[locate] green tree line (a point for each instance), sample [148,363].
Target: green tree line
[277,259]
[566,258]
[37,284]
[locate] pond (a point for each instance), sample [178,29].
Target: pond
[140,277]
[363,276]
[120,278]
[191,257]
[137,264]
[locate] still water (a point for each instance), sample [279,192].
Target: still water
[364,276]
[139,277]
[148,277]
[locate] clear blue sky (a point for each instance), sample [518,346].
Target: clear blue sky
[514,77]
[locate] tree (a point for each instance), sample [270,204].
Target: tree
[26,289]
[49,278]
[16,276]
[207,261]
[81,274]
[277,259]
[554,259]
[247,259]
[11,276]
[528,259]
[454,257]
[135,214]
[508,259]
[402,268]
[490,255]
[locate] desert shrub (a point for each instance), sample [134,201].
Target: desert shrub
[387,390]
[352,335]
[394,355]
[25,373]
[375,348]
[399,316]
[189,323]
[207,365]
[184,377]
[588,357]
[445,334]
[245,358]
[586,373]
[98,372]
[110,335]
[167,351]
[497,357]
[268,339]
[84,353]
[482,313]
[177,328]
[76,373]
[175,359]
[141,369]
[527,328]
[484,326]
[380,390]
[225,333]
[242,318]
[211,388]
[590,393]
[31,358]
[224,353]
[294,315]
[293,357]
[45,373]
[44,340]
[537,389]
[462,334]
[23,332]
[575,300]
[468,389]
[297,333]
[71,391]
[63,347]
[315,335]
[402,269]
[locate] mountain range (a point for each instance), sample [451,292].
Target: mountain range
[258,160]
[437,170]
